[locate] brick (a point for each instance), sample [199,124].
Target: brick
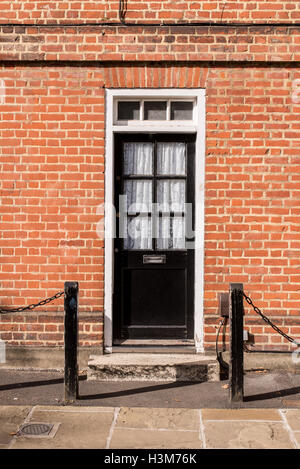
[53,117]
[121,46]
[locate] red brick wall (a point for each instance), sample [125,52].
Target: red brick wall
[52,179]
[52,152]
[253,196]
[137,43]
[72,11]
[52,138]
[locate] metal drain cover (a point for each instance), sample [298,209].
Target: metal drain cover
[38,430]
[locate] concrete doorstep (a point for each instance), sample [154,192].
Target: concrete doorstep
[152,367]
[150,428]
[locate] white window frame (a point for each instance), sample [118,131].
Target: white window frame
[168,121]
[197,126]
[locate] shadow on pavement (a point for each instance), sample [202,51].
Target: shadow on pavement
[129,392]
[31,384]
[272,395]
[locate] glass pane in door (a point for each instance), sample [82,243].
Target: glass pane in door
[171,195]
[139,233]
[171,159]
[139,195]
[138,159]
[171,233]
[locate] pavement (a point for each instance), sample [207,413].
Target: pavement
[153,415]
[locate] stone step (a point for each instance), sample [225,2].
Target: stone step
[152,367]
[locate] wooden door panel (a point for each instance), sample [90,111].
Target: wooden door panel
[154,297]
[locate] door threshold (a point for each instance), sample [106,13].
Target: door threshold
[155,342]
[154,346]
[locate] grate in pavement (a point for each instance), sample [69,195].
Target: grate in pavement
[38,430]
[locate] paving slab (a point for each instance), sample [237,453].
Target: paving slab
[242,414]
[246,435]
[293,418]
[178,419]
[149,428]
[10,419]
[80,428]
[297,437]
[155,439]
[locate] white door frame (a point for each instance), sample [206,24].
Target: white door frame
[196,126]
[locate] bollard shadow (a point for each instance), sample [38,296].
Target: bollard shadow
[130,392]
[272,394]
[31,384]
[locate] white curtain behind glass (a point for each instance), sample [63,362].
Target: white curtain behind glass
[171,233]
[138,158]
[139,196]
[171,195]
[139,231]
[171,160]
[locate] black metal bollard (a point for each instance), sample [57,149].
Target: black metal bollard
[71,341]
[236,363]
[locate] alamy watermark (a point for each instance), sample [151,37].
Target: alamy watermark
[169,223]
[2,351]
[296,91]
[296,354]
[2,91]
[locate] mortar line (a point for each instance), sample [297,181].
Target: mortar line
[202,430]
[244,420]
[116,414]
[26,420]
[288,428]
[78,411]
[152,429]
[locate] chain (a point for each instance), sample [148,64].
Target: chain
[267,320]
[30,307]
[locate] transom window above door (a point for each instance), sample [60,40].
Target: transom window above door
[147,110]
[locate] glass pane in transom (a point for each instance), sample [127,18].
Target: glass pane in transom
[155,110]
[182,110]
[128,110]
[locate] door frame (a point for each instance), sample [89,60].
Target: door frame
[197,127]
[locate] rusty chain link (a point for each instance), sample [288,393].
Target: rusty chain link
[269,322]
[32,306]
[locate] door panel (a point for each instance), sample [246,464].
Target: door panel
[147,303]
[154,272]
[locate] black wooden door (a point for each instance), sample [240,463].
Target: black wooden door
[154,268]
